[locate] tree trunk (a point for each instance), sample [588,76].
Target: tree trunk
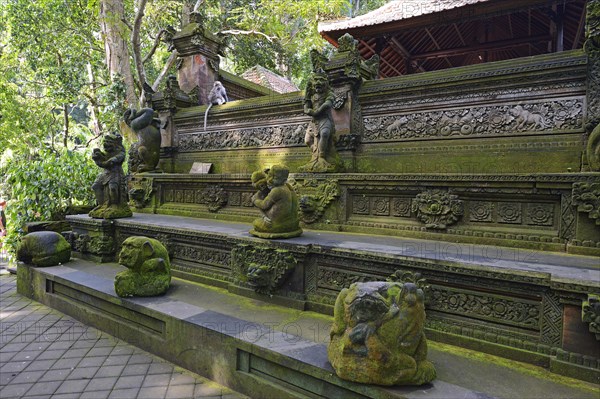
[112,14]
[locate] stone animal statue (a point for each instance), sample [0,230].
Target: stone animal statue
[377,335]
[217,96]
[526,118]
[44,248]
[147,129]
[149,267]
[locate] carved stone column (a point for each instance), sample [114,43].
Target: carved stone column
[592,49]
[199,60]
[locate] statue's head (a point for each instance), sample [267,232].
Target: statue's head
[136,250]
[259,179]
[320,81]
[111,142]
[278,175]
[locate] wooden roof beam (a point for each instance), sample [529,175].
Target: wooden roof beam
[580,29]
[483,47]
[381,59]
[438,46]
[400,49]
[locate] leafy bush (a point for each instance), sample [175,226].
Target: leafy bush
[43,186]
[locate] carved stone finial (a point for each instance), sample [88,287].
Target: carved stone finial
[586,196]
[347,43]
[590,313]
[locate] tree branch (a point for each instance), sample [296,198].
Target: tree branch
[170,62]
[247,32]
[135,41]
[154,47]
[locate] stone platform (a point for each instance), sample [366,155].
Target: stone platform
[265,350]
[520,304]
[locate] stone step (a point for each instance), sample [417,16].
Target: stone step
[261,349]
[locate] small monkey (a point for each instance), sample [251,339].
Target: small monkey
[217,96]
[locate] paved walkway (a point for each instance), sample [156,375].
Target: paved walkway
[46,354]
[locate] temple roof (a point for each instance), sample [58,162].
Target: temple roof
[269,79]
[418,36]
[395,11]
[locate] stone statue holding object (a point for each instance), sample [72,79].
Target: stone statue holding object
[377,334]
[145,153]
[277,202]
[318,102]
[110,186]
[149,268]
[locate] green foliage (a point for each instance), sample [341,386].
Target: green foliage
[43,186]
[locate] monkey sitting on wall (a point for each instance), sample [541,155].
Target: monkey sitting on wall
[217,96]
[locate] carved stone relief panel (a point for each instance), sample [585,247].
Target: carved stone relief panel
[480,211]
[510,213]
[497,120]
[269,136]
[540,214]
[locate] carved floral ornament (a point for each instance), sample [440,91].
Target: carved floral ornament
[437,209]
[477,121]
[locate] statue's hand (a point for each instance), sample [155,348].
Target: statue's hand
[309,111]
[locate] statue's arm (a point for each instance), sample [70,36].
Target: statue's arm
[268,202]
[118,159]
[324,107]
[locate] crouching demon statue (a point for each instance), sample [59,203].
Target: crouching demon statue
[149,271]
[377,335]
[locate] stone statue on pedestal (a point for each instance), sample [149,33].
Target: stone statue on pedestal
[145,153]
[149,267]
[279,206]
[110,186]
[318,102]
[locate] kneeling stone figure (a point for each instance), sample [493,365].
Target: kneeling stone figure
[149,271]
[377,335]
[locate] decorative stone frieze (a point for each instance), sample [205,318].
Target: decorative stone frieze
[314,197]
[477,121]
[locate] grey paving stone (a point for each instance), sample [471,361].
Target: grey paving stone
[60,345]
[27,376]
[72,386]
[5,378]
[101,384]
[132,381]
[122,350]
[81,373]
[44,388]
[94,395]
[66,396]
[65,363]
[83,343]
[135,369]
[153,392]
[51,355]
[180,391]
[110,371]
[116,360]
[55,375]
[160,368]
[13,347]
[92,361]
[76,353]
[26,356]
[124,393]
[139,359]
[15,390]
[157,380]
[14,367]
[102,351]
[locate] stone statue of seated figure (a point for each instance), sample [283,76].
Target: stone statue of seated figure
[279,207]
[149,269]
[377,335]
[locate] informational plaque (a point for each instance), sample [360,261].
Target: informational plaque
[200,168]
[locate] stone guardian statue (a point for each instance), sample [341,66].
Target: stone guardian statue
[110,186]
[318,102]
[145,153]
